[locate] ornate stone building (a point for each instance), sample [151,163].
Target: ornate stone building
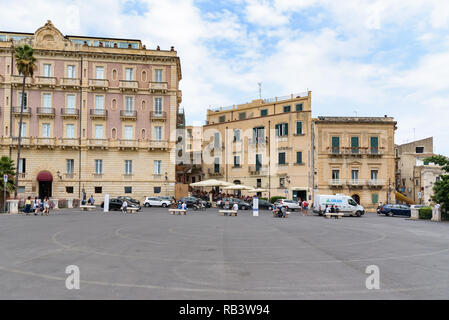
[100,115]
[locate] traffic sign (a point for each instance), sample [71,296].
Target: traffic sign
[5,178]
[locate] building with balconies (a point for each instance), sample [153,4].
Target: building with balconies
[98,115]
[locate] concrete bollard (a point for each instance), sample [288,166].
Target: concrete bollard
[55,203]
[70,203]
[414,214]
[13,206]
[436,214]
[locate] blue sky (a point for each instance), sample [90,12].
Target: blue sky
[370,57]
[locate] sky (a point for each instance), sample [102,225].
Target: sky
[358,57]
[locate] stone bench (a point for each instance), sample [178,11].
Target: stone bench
[275,214]
[177,211]
[131,210]
[333,215]
[230,212]
[87,207]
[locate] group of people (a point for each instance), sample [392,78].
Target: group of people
[38,206]
[279,211]
[331,209]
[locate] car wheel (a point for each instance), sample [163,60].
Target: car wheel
[358,214]
[147,204]
[164,205]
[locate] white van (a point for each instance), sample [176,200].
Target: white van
[345,205]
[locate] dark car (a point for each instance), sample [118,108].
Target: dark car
[242,204]
[264,204]
[129,199]
[395,210]
[116,204]
[190,201]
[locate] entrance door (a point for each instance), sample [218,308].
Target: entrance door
[44,189]
[356,198]
[299,194]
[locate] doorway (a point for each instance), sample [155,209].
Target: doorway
[45,181]
[299,194]
[356,198]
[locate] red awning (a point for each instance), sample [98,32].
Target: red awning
[44,176]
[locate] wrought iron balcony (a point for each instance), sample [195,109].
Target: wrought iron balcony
[131,85]
[70,112]
[26,111]
[98,113]
[128,114]
[42,81]
[46,112]
[158,87]
[155,116]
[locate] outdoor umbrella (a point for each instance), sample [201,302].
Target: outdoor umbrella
[237,187]
[211,183]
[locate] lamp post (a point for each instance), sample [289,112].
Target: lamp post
[166,184]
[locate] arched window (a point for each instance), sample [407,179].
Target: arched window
[144,105]
[142,134]
[113,104]
[144,75]
[114,74]
[113,133]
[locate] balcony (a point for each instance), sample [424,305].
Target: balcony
[161,87]
[26,111]
[46,112]
[375,152]
[98,143]
[158,145]
[42,81]
[355,183]
[18,81]
[128,114]
[45,142]
[334,151]
[257,141]
[158,116]
[128,85]
[215,173]
[354,151]
[69,113]
[72,83]
[25,142]
[336,183]
[68,143]
[98,113]
[98,84]
[376,183]
[257,170]
[126,144]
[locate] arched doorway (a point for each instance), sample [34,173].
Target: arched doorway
[44,179]
[356,198]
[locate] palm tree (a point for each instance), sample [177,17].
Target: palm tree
[7,167]
[26,64]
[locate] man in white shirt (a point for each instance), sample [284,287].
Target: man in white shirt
[235,207]
[124,206]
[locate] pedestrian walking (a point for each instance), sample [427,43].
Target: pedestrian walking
[27,206]
[46,210]
[124,206]
[235,207]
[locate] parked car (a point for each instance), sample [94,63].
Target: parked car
[345,204]
[129,199]
[395,210]
[190,201]
[156,202]
[116,204]
[264,204]
[242,204]
[291,205]
[169,198]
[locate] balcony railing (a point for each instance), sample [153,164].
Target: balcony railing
[42,81]
[128,85]
[155,115]
[157,144]
[158,86]
[375,152]
[334,151]
[45,142]
[356,182]
[24,141]
[99,84]
[215,173]
[128,144]
[17,80]
[258,140]
[376,182]
[70,112]
[26,111]
[98,143]
[98,113]
[70,82]
[336,182]
[46,112]
[68,142]
[128,114]
[256,170]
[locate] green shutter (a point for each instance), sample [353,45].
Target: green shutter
[299,107]
[286,129]
[354,142]
[374,198]
[335,142]
[299,157]
[298,127]
[277,129]
[374,142]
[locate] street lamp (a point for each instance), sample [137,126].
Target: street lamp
[166,184]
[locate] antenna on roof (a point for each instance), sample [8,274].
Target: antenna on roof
[260,90]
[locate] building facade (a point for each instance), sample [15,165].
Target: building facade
[99,115]
[265,144]
[355,156]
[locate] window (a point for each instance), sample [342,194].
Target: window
[237,135]
[158,133]
[71,71]
[281,158]
[129,74]
[335,174]
[299,157]
[99,166]
[298,127]
[129,104]
[22,165]
[299,107]
[128,132]
[25,100]
[47,70]
[98,131]
[374,143]
[98,189]
[158,75]
[242,115]
[221,118]
[99,72]
[46,130]
[259,183]
[158,189]
[374,198]
[70,166]
[99,102]
[355,174]
[236,161]
[128,167]
[21,189]
[281,129]
[70,101]
[47,100]
[157,167]
[216,140]
[374,174]
[287,108]
[217,165]
[281,182]
[335,145]
[24,129]
[158,105]
[70,131]
[354,145]
[259,134]
[263,112]
[128,190]
[69,189]
[419,149]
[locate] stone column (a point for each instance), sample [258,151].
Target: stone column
[13,206]
[414,214]
[55,203]
[70,203]
[436,214]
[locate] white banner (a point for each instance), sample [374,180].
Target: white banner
[255,206]
[106,203]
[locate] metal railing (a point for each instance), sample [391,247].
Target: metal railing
[99,112]
[45,81]
[26,111]
[70,112]
[128,84]
[154,115]
[158,86]
[128,113]
[45,111]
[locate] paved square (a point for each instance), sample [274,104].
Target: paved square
[155,255]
